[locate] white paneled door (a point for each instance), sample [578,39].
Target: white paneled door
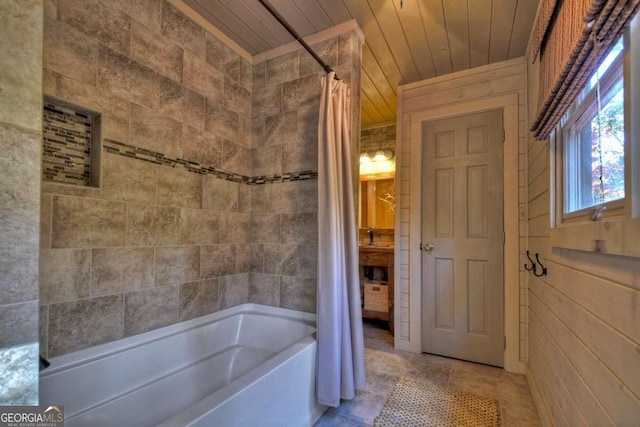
[462,238]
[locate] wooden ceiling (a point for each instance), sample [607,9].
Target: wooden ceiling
[420,40]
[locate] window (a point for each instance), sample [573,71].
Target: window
[592,136]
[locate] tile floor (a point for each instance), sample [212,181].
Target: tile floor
[385,366]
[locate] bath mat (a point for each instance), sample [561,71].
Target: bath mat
[414,403]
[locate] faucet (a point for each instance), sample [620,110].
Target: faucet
[370,233]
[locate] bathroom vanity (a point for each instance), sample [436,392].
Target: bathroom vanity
[378,291]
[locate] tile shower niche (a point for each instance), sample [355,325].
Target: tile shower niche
[71,144]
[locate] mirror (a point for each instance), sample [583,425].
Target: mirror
[377,177]
[377,203]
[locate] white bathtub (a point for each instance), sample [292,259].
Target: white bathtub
[249,365]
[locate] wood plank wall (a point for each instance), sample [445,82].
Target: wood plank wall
[584,316]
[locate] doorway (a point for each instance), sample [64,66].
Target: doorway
[462,237]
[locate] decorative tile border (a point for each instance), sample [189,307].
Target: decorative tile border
[133,152]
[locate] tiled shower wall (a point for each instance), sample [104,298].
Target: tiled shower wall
[174,232]
[284,231]
[20,144]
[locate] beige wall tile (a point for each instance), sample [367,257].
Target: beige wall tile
[69,52]
[298,294]
[243,258]
[301,92]
[265,228]
[280,197]
[148,12]
[177,265]
[307,196]
[152,225]
[201,147]
[95,18]
[221,121]
[114,110]
[235,227]
[21,68]
[199,227]
[43,330]
[150,309]
[181,103]
[219,194]
[267,101]
[327,50]
[179,187]
[198,299]
[18,324]
[46,200]
[307,261]
[281,259]
[155,132]
[202,77]
[155,51]
[182,30]
[237,97]
[65,274]
[80,324]
[301,229]
[233,290]
[226,60]
[117,270]
[281,128]
[217,261]
[128,180]
[236,158]
[244,198]
[264,289]
[266,161]
[282,68]
[125,78]
[83,223]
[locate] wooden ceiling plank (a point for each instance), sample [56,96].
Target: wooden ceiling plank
[411,22]
[479,32]
[387,18]
[436,30]
[335,10]
[231,25]
[374,38]
[241,17]
[370,90]
[365,118]
[523,22]
[371,67]
[501,28]
[294,16]
[456,15]
[315,14]
[371,109]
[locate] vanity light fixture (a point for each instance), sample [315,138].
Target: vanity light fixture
[376,156]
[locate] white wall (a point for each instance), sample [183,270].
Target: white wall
[584,331]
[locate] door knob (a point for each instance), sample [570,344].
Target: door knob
[427,248]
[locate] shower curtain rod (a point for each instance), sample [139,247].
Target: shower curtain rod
[296,36]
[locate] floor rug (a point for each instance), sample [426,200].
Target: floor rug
[414,403]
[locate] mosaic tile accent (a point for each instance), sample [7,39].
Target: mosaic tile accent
[133,152]
[67,145]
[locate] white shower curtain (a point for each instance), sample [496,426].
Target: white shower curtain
[340,364]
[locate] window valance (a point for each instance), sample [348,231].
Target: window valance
[571,37]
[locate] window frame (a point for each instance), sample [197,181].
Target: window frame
[618,231]
[577,117]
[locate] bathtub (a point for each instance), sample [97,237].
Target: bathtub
[249,365]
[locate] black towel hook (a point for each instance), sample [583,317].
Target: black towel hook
[544,269]
[533,264]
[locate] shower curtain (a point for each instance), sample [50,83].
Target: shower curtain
[340,361]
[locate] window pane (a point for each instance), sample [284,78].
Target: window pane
[597,153]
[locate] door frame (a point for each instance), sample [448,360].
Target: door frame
[509,106]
